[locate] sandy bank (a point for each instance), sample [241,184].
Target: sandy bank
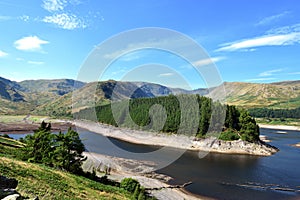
[280,127]
[154,183]
[179,141]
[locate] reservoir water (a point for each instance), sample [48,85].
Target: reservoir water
[223,176]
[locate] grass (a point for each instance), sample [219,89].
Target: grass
[20,118]
[10,142]
[48,183]
[278,121]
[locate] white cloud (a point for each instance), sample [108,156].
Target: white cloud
[270,72]
[30,43]
[259,79]
[54,5]
[165,74]
[265,40]
[272,18]
[35,62]
[65,21]
[3,54]
[207,61]
[24,18]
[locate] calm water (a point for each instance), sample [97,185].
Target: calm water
[219,175]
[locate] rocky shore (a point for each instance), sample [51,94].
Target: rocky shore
[211,144]
[155,184]
[259,148]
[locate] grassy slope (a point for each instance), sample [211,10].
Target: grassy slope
[47,183]
[276,121]
[250,95]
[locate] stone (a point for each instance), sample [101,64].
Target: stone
[12,197]
[8,183]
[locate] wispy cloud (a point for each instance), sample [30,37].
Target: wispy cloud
[273,18]
[270,72]
[65,21]
[3,54]
[20,59]
[294,73]
[132,56]
[62,17]
[165,74]
[30,43]
[24,18]
[288,35]
[35,62]
[207,61]
[5,18]
[295,28]
[266,40]
[54,5]
[259,79]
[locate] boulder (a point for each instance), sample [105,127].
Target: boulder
[8,183]
[12,197]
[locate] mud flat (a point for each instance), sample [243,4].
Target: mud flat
[155,184]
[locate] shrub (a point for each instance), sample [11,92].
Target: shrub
[129,184]
[229,135]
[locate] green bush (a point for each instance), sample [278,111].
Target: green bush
[129,184]
[229,135]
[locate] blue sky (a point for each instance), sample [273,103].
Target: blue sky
[249,41]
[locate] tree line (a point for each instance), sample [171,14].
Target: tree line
[275,113]
[183,114]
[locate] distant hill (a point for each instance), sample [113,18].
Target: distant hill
[10,90]
[56,86]
[100,93]
[24,97]
[55,97]
[274,95]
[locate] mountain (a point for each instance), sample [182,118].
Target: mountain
[25,96]
[273,95]
[56,86]
[10,90]
[55,97]
[100,93]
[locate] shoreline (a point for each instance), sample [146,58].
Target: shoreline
[280,127]
[178,141]
[149,181]
[25,127]
[150,138]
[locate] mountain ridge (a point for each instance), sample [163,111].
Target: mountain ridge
[58,96]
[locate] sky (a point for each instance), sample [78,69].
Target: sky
[248,41]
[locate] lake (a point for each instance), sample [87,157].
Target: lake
[221,176]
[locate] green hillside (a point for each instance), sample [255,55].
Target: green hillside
[254,95]
[48,183]
[24,97]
